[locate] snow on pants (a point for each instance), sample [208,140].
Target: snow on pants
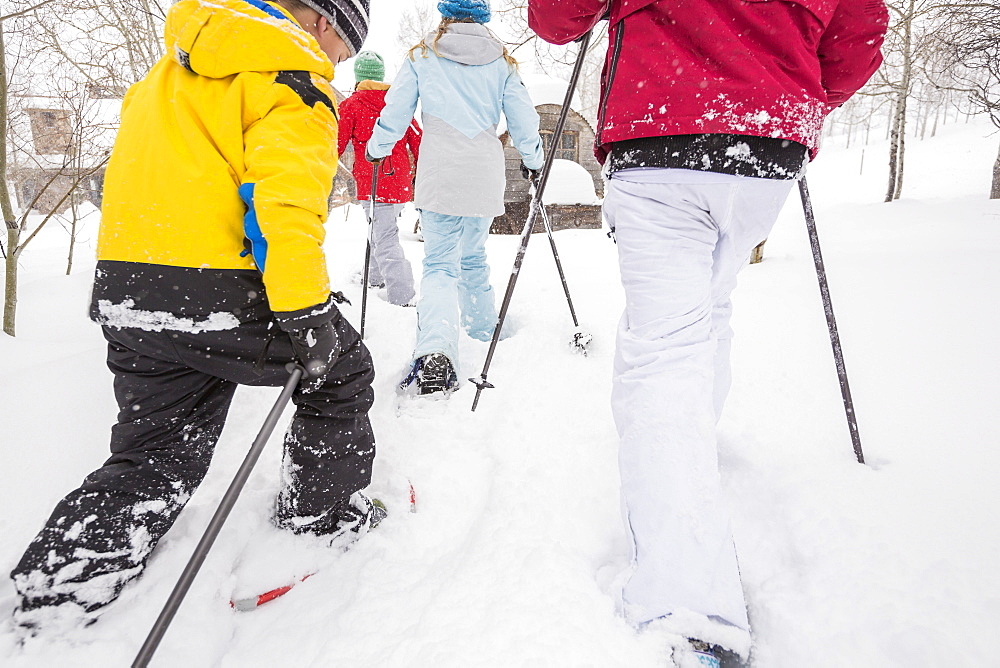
[682,236]
[388,263]
[174,390]
[456,280]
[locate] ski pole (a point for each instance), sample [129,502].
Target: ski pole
[831,321]
[368,245]
[536,201]
[215,525]
[580,339]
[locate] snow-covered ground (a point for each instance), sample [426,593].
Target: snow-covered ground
[517,534]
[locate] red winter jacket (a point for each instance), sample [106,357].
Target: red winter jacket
[358,114]
[768,68]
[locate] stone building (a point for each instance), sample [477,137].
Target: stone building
[58,148]
[345,190]
[575,145]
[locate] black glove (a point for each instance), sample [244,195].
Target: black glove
[369,158]
[316,348]
[530,174]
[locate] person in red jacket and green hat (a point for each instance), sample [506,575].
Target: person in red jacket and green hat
[358,114]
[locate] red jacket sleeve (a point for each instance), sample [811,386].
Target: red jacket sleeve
[413,136]
[345,127]
[850,49]
[562,21]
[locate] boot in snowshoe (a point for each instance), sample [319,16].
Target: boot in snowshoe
[700,654]
[52,617]
[697,654]
[364,515]
[293,557]
[361,515]
[431,374]
[436,375]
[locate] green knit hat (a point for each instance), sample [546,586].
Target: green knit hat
[369,66]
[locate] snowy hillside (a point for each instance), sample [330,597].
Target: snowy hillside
[516,537]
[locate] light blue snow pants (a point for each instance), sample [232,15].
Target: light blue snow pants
[456,280]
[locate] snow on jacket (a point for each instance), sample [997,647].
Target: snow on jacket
[767,68]
[462,93]
[218,182]
[357,120]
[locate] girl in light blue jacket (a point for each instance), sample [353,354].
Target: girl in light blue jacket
[464,79]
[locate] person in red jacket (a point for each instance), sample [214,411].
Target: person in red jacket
[358,114]
[710,109]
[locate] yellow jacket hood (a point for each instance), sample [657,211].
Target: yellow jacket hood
[215,39]
[224,161]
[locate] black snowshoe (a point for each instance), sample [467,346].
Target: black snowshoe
[431,374]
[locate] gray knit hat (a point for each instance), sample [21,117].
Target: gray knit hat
[348,17]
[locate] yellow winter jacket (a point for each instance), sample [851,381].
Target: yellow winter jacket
[226,156]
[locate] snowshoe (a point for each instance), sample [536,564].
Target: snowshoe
[581,343]
[52,618]
[431,374]
[368,514]
[298,556]
[697,654]
[700,654]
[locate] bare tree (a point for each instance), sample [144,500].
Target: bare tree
[912,75]
[5,78]
[79,148]
[895,79]
[72,69]
[10,222]
[415,22]
[120,43]
[969,41]
[558,61]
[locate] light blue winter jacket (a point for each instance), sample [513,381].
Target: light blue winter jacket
[461,169]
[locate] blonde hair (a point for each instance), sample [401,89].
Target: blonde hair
[442,29]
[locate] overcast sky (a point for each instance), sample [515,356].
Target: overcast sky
[385,16]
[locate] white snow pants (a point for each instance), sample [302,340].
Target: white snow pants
[682,236]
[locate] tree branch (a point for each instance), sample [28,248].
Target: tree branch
[25,11]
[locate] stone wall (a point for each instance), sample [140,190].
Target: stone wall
[561,216]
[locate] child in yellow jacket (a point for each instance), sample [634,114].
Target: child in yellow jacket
[211,274]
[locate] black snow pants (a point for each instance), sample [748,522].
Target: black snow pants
[174,390]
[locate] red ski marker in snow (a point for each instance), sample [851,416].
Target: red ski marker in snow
[253,602]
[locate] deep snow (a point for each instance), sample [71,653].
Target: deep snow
[517,534]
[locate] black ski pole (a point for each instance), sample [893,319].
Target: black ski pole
[580,339]
[215,525]
[368,246]
[480,382]
[831,321]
